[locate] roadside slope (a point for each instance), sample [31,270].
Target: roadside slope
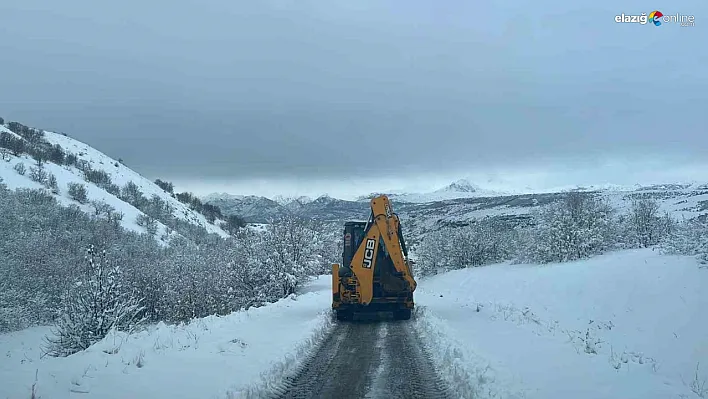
[623,325]
[206,358]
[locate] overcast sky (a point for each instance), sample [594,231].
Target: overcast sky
[307,97]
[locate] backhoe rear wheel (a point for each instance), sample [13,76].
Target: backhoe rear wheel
[344,315]
[403,314]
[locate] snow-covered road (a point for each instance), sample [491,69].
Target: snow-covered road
[372,360]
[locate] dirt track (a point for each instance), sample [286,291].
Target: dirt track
[368,360]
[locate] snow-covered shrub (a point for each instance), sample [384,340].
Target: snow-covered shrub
[233,224]
[56,154]
[158,208]
[97,177]
[168,187]
[131,194]
[20,308]
[20,168]
[647,225]
[197,275]
[78,193]
[577,227]
[688,238]
[102,208]
[38,174]
[112,189]
[217,278]
[42,244]
[432,253]
[330,246]
[51,183]
[97,303]
[292,244]
[483,242]
[250,255]
[38,153]
[30,134]
[71,159]
[147,221]
[16,145]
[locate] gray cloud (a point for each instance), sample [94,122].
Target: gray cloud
[229,91]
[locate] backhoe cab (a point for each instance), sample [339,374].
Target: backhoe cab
[375,276]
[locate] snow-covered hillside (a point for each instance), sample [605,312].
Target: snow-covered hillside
[119,175]
[681,201]
[630,324]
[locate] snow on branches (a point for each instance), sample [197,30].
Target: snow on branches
[97,303]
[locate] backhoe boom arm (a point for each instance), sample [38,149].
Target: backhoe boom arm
[383,229]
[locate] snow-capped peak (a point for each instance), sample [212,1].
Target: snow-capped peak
[460,186]
[287,200]
[325,198]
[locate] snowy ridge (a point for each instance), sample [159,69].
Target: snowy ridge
[119,174]
[222,196]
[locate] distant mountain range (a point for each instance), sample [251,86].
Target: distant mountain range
[459,203]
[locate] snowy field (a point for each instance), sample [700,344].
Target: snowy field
[214,357]
[632,324]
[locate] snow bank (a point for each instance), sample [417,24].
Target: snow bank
[214,357]
[631,324]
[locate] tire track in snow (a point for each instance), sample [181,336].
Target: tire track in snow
[369,360]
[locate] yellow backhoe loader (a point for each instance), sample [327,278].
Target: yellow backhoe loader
[375,276]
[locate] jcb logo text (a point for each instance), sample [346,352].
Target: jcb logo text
[369,253]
